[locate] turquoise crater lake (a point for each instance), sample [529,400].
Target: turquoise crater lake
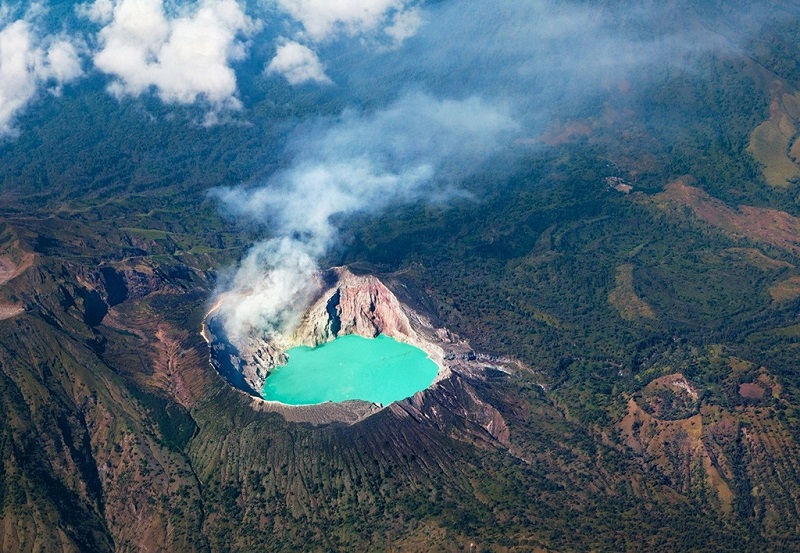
[378,370]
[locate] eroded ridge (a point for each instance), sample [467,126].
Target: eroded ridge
[9,270]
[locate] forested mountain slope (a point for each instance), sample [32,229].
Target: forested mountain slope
[639,260]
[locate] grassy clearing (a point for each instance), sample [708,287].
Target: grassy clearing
[147,234]
[785,290]
[768,145]
[624,299]
[771,141]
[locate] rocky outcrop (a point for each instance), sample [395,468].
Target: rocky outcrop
[364,306]
[257,355]
[10,270]
[359,305]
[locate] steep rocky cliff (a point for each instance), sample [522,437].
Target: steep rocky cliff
[363,305]
[359,305]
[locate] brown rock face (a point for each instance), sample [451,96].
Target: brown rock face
[364,306]
[359,305]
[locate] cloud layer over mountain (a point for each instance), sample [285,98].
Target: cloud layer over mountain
[322,18]
[298,63]
[183,56]
[430,92]
[29,62]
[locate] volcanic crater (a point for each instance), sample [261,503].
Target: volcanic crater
[349,304]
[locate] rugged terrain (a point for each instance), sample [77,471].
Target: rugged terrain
[639,262]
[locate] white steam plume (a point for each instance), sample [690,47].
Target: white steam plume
[361,163]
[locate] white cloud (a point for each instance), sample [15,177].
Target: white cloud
[28,63]
[323,18]
[298,63]
[61,63]
[100,11]
[405,24]
[185,58]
